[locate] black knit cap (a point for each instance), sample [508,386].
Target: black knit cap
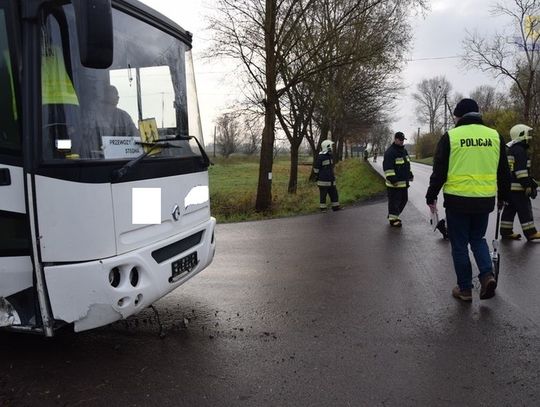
[465,106]
[399,135]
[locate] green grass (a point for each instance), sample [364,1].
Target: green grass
[233,188]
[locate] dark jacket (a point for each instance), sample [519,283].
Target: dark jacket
[519,164]
[324,169]
[464,204]
[397,166]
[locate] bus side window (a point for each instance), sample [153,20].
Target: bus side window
[10,136]
[59,99]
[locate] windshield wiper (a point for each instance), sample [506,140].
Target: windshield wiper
[120,173]
[205,157]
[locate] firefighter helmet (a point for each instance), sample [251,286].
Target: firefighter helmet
[326,146]
[520,132]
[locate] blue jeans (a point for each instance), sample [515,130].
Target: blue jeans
[465,229]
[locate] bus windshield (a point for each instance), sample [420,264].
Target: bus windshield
[115,113]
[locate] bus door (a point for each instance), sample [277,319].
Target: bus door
[16,268]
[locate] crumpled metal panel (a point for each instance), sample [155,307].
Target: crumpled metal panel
[8,315]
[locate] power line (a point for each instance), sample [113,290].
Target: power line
[433,58]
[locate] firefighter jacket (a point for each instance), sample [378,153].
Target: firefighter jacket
[454,197]
[520,167]
[324,169]
[397,167]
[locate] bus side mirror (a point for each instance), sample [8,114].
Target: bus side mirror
[95,32]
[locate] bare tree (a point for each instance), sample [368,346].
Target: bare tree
[430,99]
[266,35]
[252,138]
[259,33]
[485,96]
[380,136]
[228,134]
[517,60]
[298,106]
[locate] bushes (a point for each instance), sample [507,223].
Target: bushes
[426,145]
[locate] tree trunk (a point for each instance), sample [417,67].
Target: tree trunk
[264,187]
[293,174]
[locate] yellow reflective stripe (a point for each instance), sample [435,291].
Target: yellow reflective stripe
[389,173]
[325,183]
[528,163]
[482,186]
[527,225]
[522,174]
[516,186]
[316,170]
[393,217]
[326,162]
[400,161]
[479,177]
[506,224]
[399,184]
[476,190]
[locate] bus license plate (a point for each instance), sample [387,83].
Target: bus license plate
[183,266]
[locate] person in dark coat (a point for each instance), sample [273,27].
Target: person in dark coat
[471,167]
[523,187]
[397,171]
[326,180]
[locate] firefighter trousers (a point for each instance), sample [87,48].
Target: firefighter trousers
[397,199]
[332,192]
[520,204]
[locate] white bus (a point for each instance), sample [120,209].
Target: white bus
[104,202]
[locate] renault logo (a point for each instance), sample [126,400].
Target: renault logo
[176,212]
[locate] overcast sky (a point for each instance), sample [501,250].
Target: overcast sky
[439,34]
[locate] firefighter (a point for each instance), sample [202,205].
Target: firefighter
[397,171]
[524,187]
[326,181]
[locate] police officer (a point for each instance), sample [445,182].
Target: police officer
[326,180]
[397,171]
[470,165]
[523,187]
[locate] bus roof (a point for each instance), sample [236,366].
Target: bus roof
[153,17]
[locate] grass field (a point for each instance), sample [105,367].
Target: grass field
[233,188]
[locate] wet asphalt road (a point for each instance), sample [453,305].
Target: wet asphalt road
[332,309]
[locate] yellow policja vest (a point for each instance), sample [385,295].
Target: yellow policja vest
[56,86]
[473,163]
